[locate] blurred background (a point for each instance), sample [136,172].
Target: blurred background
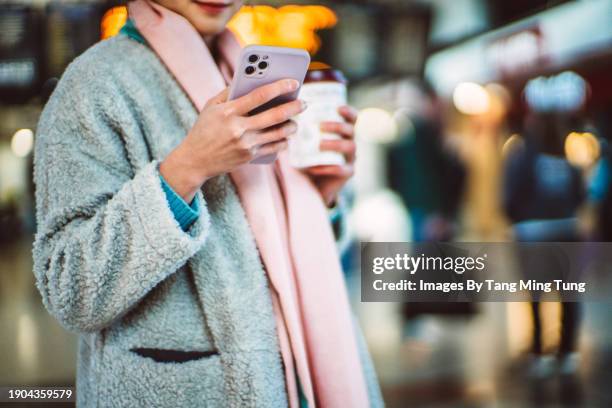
[479,121]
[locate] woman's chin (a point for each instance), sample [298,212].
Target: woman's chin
[207,24]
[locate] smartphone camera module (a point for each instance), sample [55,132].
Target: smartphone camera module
[253,58]
[250,70]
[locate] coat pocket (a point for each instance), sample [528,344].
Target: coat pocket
[145,377]
[172,356]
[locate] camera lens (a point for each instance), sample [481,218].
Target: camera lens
[253,58]
[249,70]
[263,65]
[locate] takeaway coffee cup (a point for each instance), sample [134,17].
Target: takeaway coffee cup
[324,91]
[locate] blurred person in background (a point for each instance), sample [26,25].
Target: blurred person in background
[600,186]
[542,195]
[601,194]
[150,240]
[427,177]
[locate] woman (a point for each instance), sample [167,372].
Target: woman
[193,277]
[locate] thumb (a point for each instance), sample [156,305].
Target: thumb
[221,97]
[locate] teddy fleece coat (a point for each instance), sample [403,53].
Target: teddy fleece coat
[166,318]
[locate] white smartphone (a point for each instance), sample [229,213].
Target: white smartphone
[261,65]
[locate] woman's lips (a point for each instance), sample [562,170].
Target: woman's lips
[212,7]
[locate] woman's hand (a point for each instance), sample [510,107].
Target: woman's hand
[329,180]
[224,137]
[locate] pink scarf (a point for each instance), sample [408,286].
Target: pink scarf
[290,225]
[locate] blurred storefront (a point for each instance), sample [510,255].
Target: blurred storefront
[556,60]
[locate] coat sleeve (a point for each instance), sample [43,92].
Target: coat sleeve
[105,233]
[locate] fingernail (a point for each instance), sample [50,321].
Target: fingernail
[293,85]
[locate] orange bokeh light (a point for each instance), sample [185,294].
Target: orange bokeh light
[112,21]
[287,26]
